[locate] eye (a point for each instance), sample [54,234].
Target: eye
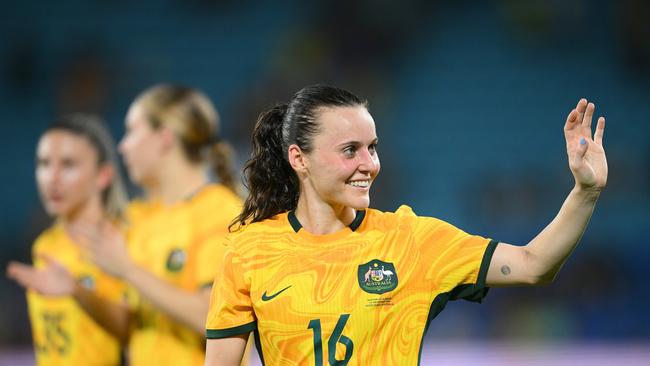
[349,151]
[42,162]
[372,148]
[69,163]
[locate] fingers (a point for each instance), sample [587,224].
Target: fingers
[581,107]
[588,115]
[24,274]
[571,119]
[600,131]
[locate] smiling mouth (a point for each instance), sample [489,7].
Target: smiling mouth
[359,183]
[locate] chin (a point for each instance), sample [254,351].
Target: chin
[360,203]
[55,209]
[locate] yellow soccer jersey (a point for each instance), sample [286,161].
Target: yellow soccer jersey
[178,244]
[63,333]
[362,296]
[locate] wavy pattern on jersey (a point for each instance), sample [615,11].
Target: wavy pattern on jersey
[324,289]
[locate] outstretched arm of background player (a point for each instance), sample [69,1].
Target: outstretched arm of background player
[225,351]
[106,247]
[55,280]
[540,260]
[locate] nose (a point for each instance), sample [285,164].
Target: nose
[367,162]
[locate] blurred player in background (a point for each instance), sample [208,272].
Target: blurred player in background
[176,231]
[322,279]
[78,182]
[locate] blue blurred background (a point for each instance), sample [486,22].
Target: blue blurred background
[469,100]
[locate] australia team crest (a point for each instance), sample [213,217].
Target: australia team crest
[377,277]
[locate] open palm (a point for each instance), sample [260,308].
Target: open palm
[587,158]
[51,280]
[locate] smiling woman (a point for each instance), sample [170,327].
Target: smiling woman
[322,278]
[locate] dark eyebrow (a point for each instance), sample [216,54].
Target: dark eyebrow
[357,143]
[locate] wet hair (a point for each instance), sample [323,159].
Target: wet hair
[91,127]
[195,121]
[272,183]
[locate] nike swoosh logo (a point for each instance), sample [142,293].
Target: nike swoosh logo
[266,297]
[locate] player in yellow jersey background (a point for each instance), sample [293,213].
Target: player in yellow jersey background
[170,142]
[322,279]
[78,181]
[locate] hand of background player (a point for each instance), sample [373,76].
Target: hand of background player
[104,245]
[52,280]
[586,154]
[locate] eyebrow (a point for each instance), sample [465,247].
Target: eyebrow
[357,143]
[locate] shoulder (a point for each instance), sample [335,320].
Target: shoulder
[403,216]
[274,227]
[47,239]
[216,199]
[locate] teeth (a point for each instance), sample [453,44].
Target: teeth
[360,183]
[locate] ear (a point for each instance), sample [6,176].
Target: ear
[297,159]
[168,137]
[105,176]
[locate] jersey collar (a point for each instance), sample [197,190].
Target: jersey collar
[354,225]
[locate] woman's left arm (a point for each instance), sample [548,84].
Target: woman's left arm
[540,260]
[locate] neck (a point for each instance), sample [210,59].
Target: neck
[177,182]
[321,218]
[89,213]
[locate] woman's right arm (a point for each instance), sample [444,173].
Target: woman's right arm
[225,351]
[55,280]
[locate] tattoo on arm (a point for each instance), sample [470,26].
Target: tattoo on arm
[505,270]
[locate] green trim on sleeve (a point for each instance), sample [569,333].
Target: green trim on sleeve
[485,264]
[229,332]
[471,292]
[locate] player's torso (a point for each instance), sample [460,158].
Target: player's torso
[364,298]
[63,333]
[163,242]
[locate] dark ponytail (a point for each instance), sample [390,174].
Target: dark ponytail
[272,184]
[271,181]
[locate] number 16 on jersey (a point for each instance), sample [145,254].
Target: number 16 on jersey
[335,338]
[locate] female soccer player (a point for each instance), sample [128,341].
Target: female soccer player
[323,279]
[176,231]
[78,182]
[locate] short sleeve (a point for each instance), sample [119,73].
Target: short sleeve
[456,261]
[231,310]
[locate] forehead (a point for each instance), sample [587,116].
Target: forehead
[341,124]
[136,115]
[62,143]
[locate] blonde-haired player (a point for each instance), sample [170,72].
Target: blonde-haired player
[170,142]
[78,182]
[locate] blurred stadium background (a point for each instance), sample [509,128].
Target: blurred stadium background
[469,100]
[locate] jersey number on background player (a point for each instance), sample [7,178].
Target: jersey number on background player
[56,338]
[336,337]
